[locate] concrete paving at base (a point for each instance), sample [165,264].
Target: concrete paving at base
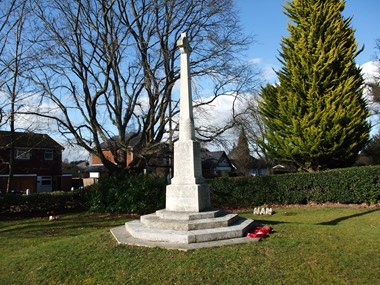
[123,237]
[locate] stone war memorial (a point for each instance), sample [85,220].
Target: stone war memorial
[188,221]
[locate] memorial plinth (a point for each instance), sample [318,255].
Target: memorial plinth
[188,217]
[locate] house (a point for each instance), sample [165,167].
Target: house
[215,163]
[37,163]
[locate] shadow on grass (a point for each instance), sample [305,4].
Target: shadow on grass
[338,220]
[272,223]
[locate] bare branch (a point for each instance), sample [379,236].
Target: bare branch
[110,66]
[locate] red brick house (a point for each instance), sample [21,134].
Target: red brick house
[37,163]
[95,160]
[96,166]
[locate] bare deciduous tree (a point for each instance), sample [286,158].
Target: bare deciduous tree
[254,128]
[375,85]
[16,56]
[110,66]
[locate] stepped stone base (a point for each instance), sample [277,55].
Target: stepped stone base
[185,230]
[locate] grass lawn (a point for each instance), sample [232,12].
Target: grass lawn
[310,245]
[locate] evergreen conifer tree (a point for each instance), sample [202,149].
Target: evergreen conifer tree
[241,154]
[316,115]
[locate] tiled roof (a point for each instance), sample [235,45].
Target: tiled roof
[215,155]
[212,158]
[29,140]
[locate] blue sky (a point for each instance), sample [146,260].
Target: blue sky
[266,21]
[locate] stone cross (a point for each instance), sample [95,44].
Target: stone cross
[186,126]
[188,191]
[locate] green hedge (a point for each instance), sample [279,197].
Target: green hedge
[43,202]
[128,193]
[145,194]
[123,193]
[346,186]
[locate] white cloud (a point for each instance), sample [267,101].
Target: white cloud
[216,114]
[37,123]
[369,69]
[269,74]
[256,60]
[73,153]
[267,70]
[26,104]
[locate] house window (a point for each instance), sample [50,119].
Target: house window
[48,154]
[46,181]
[22,153]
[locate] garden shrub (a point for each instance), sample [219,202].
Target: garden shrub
[354,185]
[128,193]
[43,202]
